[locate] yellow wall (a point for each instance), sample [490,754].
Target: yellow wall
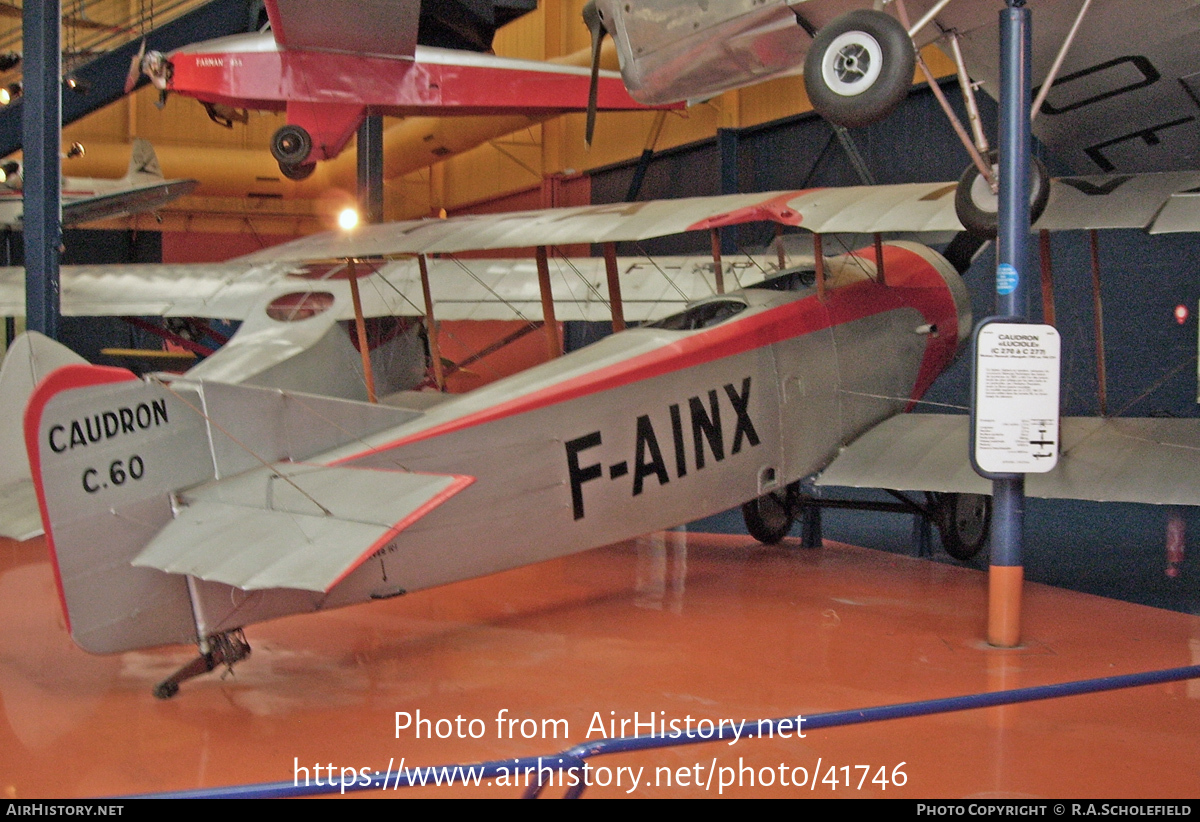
[242,190]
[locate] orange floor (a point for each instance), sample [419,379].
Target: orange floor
[678,625]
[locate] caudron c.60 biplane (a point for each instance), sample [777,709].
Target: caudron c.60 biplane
[180,511]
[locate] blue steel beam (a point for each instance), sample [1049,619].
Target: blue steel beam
[103,79]
[43,192]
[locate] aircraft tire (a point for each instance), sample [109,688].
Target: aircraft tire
[768,518]
[977,207]
[964,522]
[297,173]
[291,145]
[859,68]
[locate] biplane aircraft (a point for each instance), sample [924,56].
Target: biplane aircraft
[143,188]
[1117,83]
[329,65]
[183,509]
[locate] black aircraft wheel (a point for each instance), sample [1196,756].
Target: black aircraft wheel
[977,207]
[291,145]
[964,521]
[768,518]
[859,68]
[300,172]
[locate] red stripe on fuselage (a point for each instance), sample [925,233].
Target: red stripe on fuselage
[67,378]
[912,282]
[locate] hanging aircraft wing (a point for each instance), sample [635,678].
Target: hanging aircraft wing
[124,203]
[385,27]
[293,526]
[1119,459]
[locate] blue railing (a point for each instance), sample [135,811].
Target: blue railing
[575,760]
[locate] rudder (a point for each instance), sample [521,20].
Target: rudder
[106,451]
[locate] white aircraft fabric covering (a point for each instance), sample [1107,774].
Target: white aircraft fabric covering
[879,208]
[293,525]
[30,358]
[385,27]
[1123,201]
[484,289]
[474,289]
[1119,459]
[1100,201]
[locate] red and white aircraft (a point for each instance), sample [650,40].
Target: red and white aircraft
[330,63]
[181,510]
[88,198]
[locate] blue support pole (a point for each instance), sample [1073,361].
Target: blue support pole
[41,128]
[727,148]
[1006,575]
[370,169]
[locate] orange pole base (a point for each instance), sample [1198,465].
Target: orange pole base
[1004,605]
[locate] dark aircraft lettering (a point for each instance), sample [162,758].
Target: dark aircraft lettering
[106,425]
[1148,135]
[708,433]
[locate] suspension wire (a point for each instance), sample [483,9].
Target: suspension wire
[275,473]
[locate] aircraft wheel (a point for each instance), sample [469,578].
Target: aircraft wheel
[964,522]
[768,518]
[300,172]
[291,145]
[977,207]
[859,68]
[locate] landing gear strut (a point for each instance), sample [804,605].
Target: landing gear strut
[224,649]
[963,520]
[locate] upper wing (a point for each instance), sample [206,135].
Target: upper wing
[386,27]
[1104,201]
[487,289]
[475,289]
[1145,460]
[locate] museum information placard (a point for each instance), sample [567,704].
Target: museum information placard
[1016,398]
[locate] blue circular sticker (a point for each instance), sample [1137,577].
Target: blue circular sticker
[1006,279]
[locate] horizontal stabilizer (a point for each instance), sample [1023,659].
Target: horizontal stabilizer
[30,358]
[1154,461]
[125,203]
[20,518]
[293,525]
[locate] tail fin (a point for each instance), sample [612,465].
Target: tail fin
[30,358]
[143,162]
[110,458]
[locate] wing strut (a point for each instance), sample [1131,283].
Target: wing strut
[359,326]
[614,287]
[716,255]
[553,344]
[435,351]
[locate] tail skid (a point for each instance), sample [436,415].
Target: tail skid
[180,512]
